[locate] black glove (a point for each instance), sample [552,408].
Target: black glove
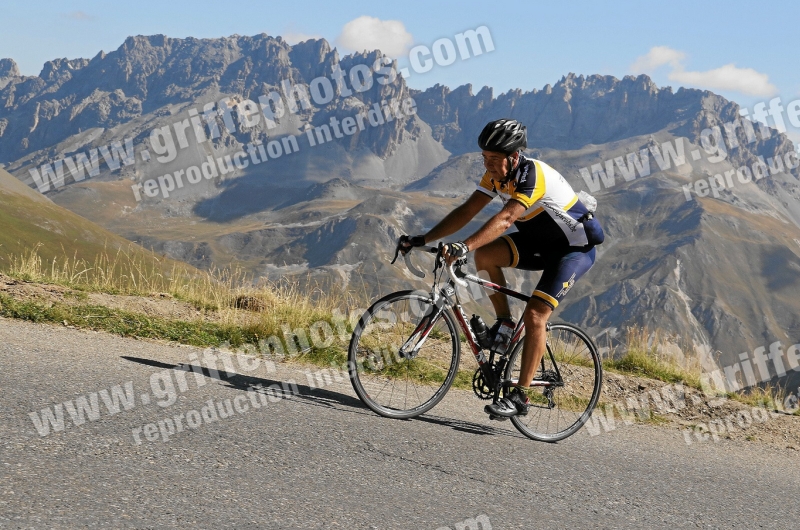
[406,242]
[456,250]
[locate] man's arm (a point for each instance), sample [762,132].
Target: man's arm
[495,226]
[458,218]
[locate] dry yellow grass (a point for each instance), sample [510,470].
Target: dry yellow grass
[236,298]
[645,354]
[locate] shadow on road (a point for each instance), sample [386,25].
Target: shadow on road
[467,426]
[320,397]
[307,394]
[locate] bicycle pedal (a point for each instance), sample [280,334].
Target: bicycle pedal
[496,417]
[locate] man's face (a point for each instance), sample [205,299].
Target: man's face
[497,163]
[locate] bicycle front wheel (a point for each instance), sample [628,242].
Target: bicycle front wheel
[403,355]
[572,364]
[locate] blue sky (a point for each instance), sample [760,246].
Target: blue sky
[738,49]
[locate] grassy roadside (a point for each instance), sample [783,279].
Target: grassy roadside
[643,364]
[194,333]
[126,324]
[246,313]
[247,336]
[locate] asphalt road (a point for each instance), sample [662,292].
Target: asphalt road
[318,459]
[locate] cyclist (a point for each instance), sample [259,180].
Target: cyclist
[556,234]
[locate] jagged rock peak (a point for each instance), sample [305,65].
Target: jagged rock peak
[58,67]
[604,82]
[141,41]
[313,57]
[9,68]
[146,74]
[318,47]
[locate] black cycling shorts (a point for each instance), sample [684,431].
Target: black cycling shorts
[560,268]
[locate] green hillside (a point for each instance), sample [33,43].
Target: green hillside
[29,220]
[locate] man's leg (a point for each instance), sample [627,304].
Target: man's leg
[536,315]
[492,258]
[517,402]
[557,280]
[558,276]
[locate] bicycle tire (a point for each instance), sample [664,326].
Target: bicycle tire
[580,368]
[432,371]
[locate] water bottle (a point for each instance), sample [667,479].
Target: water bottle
[481,331]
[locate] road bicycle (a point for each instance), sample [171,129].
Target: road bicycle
[404,356]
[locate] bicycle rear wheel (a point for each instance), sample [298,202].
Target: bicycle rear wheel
[558,411]
[388,379]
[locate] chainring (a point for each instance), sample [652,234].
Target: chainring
[480,386]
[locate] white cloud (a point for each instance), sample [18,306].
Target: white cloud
[729,77]
[370,33]
[78,15]
[725,78]
[294,37]
[658,56]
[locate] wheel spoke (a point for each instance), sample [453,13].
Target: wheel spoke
[416,384]
[577,361]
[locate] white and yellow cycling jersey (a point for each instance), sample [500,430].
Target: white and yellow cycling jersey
[553,212]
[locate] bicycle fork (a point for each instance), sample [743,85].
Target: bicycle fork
[414,343]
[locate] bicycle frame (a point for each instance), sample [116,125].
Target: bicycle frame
[448,297]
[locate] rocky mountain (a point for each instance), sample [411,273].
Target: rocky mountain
[151,82]
[582,111]
[711,265]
